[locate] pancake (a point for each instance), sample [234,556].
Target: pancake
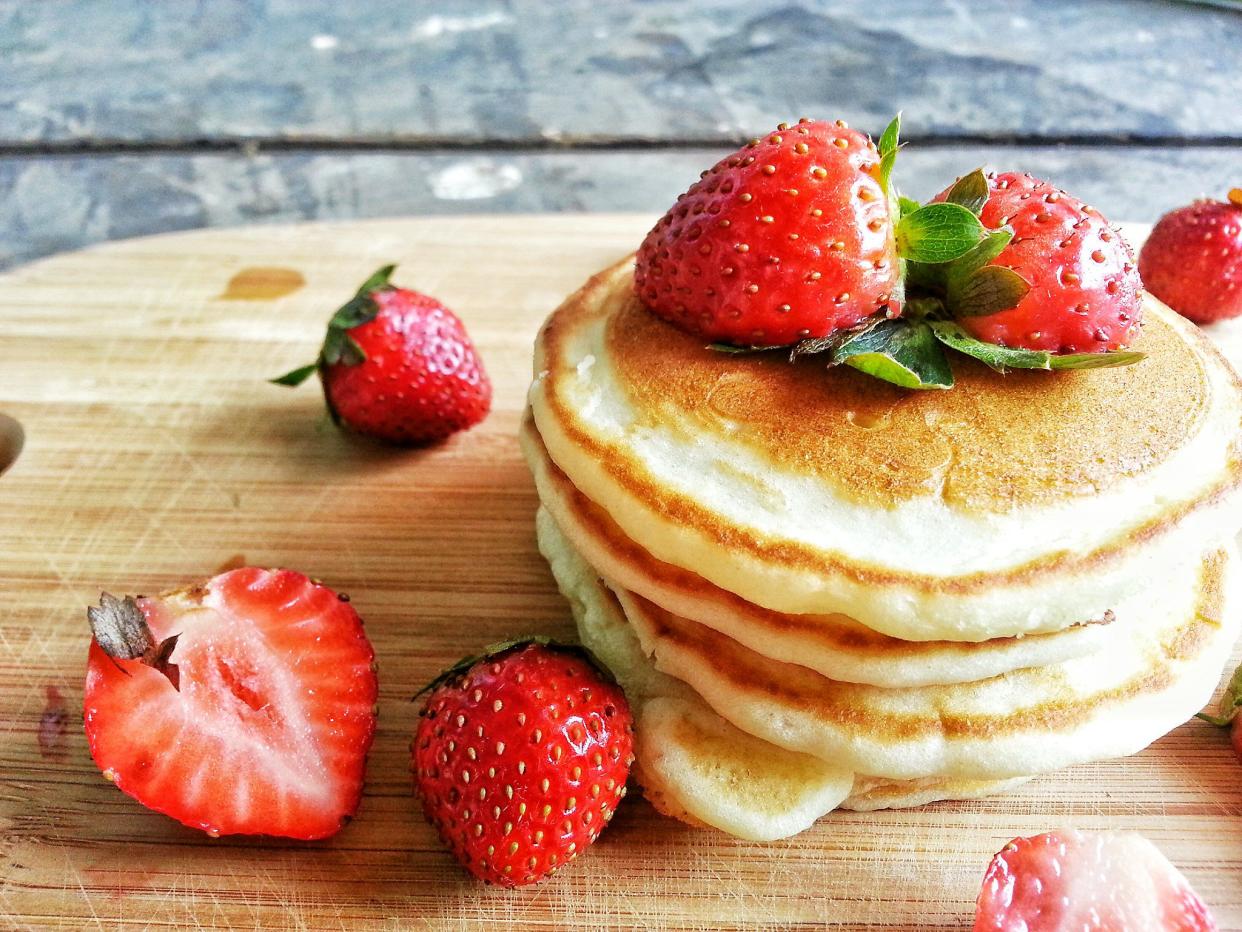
[872,795]
[1024,722]
[833,645]
[695,766]
[1006,505]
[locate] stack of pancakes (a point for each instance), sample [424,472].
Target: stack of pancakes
[820,590]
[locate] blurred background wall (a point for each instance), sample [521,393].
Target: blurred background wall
[129,117]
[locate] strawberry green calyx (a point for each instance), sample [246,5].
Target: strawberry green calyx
[338,346]
[903,352]
[942,232]
[938,233]
[906,205]
[1231,702]
[888,147]
[121,630]
[501,648]
[1004,358]
[970,191]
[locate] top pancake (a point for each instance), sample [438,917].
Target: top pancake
[1008,504]
[992,443]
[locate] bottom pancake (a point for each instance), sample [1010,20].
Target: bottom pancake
[695,766]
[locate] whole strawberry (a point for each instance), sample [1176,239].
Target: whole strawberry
[244,705]
[1193,259]
[789,238]
[399,366]
[1083,289]
[1071,881]
[520,758]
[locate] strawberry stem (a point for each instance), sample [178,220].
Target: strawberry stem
[121,631]
[338,346]
[1230,703]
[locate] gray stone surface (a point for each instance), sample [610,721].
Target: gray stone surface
[487,70]
[61,203]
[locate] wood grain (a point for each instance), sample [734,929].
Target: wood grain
[155,453]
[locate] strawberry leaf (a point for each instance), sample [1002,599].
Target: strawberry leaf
[889,138]
[731,350]
[898,351]
[296,376]
[1004,358]
[989,290]
[1230,703]
[887,147]
[356,311]
[886,171]
[380,278]
[945,278]
[907,205]
[338,346]
[351,353]
[121,631]
[836,339]
[1109,360]
[938,233]
[1000,358]
[970,191]
[988,248]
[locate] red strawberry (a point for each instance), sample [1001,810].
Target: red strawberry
[399,366]
[1084,292]
[1106,881]
[521,757]
[1193,259]
[789,238]
[242,706]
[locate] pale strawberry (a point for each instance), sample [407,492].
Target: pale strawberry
[1073,881]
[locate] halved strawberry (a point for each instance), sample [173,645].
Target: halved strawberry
[1106,881]
[242,706]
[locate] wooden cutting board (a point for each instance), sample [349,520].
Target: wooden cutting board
[155,453]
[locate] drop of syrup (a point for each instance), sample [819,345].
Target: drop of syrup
[262,284]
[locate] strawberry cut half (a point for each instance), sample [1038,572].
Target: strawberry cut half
[242,706]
